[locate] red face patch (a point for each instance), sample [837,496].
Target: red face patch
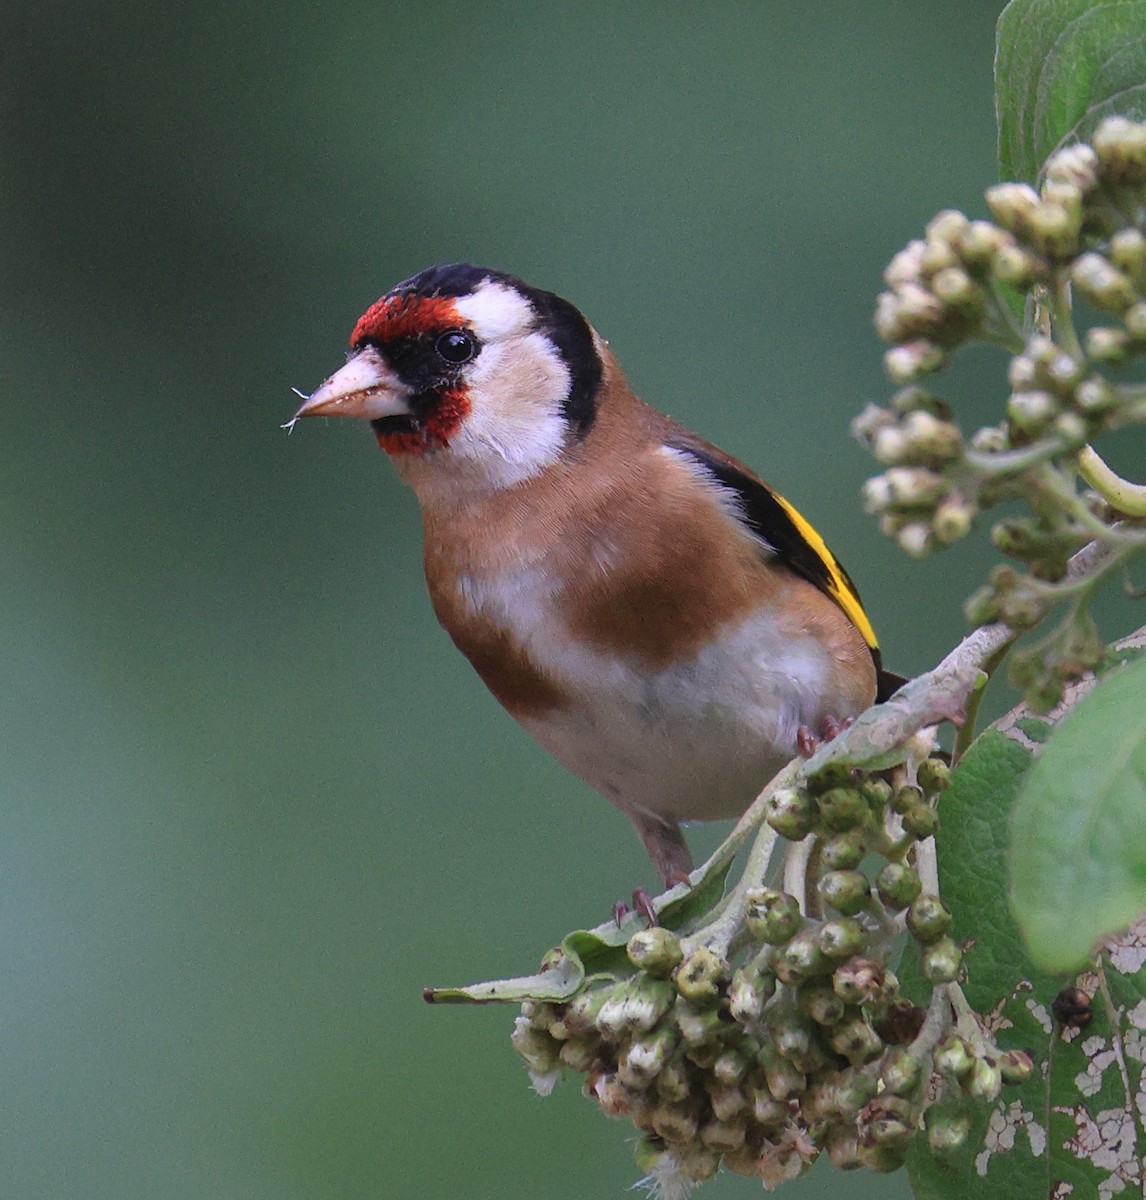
[405,316]
[408,316]
[450,410]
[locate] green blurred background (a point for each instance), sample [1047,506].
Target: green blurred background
[253,800]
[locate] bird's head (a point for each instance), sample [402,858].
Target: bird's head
[468,368]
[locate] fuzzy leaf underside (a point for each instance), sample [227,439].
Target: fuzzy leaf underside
[1060,67]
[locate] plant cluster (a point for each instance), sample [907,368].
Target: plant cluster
[1084,232]
[777,1030]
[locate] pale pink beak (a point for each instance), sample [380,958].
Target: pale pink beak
[365,387]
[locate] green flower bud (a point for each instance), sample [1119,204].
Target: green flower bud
[842,938]
[747,994]
[985,1081]
[909,486]
[1016,1066]
[792,1034]
[855,1039]
[1105,344]
[1072,429]
[980,242]
[842,808]
[799,960]
[843,1149]
[830,775]
[1064,372]
[888,320]
[701,976]
[764,1109]
[906,798]
[1135,321]
[540,1051]
[791,813]
[579,1053]
[580,1015]
[1075,164]
[1032,412]
[992,439]
[888,1120]
[952,520]
[916,539]
[877,793]
[928,918]
[1121,148]
[855,1087]
[882,1160]
[940,961]
[698,1026]
[900,1071]
[870,421]
[898,885]
[860,980]
[699,1165]
[635,1006]
[848,892]
[677,1124]
[934,776]
[912,360]
[922,822]
[956,289]
[933,438]
[821,1005]
[783,1080]
[727,1101]
[1022,374]
[772,917]
[724,1137]
[948,226]
[947,1129]
[656,950]
[1054,226]
[1102,283]
[938,256]
[844,850]
[1016,267]
[1128,254]
[643,1059]
[674,1082]
[982,607]
[1013,204]
[906,266]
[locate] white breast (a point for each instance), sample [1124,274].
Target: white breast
[695,740]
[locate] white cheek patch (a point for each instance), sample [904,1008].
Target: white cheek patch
[494,312]
[515,427]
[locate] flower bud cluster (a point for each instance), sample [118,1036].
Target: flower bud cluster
[798,1043]
[1081,233]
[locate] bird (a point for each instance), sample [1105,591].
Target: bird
[660,619]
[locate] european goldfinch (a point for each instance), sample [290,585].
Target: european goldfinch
[654,614]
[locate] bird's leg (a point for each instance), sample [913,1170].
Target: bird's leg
[666,846]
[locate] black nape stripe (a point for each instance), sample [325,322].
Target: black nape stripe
[570,333]
[562,323]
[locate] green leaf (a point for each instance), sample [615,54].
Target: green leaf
[1060,67]
[1073,1120]
[1078,859]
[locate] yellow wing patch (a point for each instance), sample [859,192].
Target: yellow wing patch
[842,590]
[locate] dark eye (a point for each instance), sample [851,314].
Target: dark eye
[456,346]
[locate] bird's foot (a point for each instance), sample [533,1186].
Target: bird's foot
[808,742]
